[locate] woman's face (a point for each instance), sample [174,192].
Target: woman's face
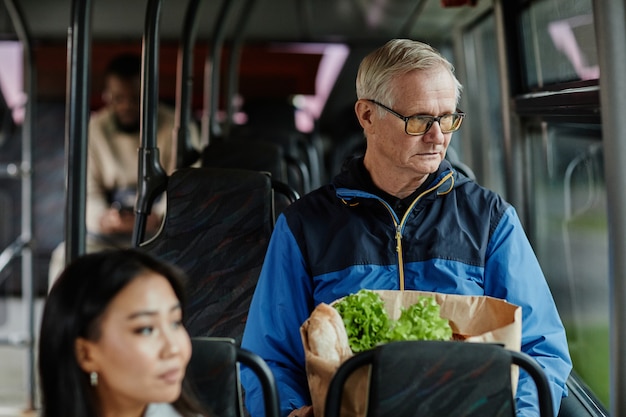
[143,349]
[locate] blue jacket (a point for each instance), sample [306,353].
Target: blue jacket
[456,237]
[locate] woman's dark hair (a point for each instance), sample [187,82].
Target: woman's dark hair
[73,309]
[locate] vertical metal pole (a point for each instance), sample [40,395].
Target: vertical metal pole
[77,116]
[184,83]
[26,169]
[233,63]
[511,83]
[152,179]
[210,125]
[150,75]
[609,18]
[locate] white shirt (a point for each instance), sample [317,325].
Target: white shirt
[161,410]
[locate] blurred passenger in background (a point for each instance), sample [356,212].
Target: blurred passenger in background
[112,342]
[112,167]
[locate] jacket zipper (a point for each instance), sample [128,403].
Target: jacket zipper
[400,226]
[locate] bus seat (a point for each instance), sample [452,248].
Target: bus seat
[247,154]
[273,120]
[453,157]
[435,378]
[300,156]
[213,372]
[216,229]
[353,146]
[257,156]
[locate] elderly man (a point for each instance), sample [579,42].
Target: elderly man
[399,218]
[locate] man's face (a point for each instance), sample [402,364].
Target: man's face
[430,93]
[122,97]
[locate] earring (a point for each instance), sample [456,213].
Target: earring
[93,378]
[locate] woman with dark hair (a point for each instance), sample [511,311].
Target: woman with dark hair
[112,341]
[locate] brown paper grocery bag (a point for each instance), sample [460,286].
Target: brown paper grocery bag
[472,318]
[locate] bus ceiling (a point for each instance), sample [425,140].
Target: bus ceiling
[343,21]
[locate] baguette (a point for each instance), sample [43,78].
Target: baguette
[327,335]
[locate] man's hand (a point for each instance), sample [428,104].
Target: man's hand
[118,222]
[306,411]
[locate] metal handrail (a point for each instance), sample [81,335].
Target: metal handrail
[210,126]
[23,245]
[185,154]
[234,61]
[152,179]
[77,114]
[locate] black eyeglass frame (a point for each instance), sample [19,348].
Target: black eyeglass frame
[432,119]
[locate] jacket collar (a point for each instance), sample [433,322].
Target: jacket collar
[350,183]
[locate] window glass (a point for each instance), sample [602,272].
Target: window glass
[559,42]
[480,142]
[570,236]
[11,85]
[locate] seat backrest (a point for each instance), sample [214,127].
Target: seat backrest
[213,372]
[217,228]
[432,379]
[300,156]
[256,155]
[247,154]
[453,157]
[214,377]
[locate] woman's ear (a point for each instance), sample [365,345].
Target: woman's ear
[84,350]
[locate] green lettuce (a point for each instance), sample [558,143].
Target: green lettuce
[368,325]
[365,318]
[421,321]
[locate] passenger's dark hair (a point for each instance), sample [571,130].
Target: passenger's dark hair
[73,309]
[124,66]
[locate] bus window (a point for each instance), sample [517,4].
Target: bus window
[559,42]
[481,138]
[570,235]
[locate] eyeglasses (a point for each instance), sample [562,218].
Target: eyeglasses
[419,124]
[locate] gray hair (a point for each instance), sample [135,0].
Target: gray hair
[397,57]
